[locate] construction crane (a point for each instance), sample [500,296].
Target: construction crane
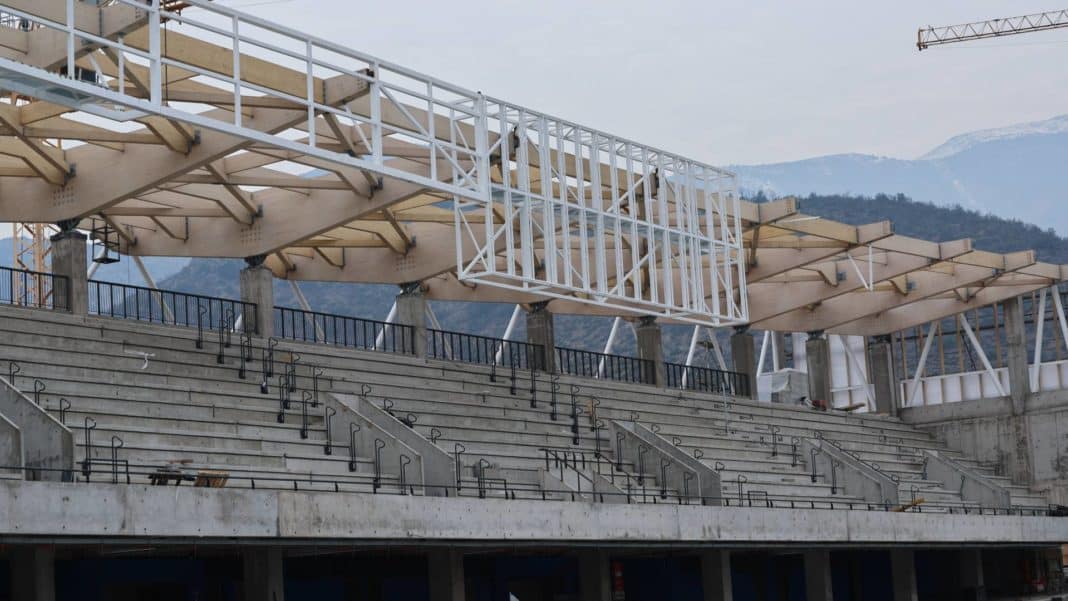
[937,36]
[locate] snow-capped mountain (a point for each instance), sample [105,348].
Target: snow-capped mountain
[1014,172]
[958,144]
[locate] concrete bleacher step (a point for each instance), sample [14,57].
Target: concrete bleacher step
[190,398]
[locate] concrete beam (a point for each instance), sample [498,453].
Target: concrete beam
[45,509]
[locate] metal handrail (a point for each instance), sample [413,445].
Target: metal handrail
[472,348]
[536,492]
[167,307]
[27,288]
[592,364]
[706,379]
[344,330]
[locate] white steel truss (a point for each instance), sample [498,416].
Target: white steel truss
[581,214]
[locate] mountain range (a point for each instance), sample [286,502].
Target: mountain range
[1015,172]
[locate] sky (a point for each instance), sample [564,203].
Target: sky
[722,82]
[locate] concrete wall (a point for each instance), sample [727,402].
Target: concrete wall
[437,464]
[371,430]
[988,431]
[46,443]
[58,510]
[850,474]
[10,444]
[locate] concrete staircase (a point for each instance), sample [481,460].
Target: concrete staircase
[169,401]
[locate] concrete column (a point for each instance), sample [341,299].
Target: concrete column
[595,577]
[33,572]
[540,331]
[1019,457]
[651,347]
[743,356]
[883,380]
[264,576]
[411,311]
[68,260]
[257,286]
[903,573]
[445,569]
[818,576]
[1016,351]
[716,575]
[818,357]
[972,585]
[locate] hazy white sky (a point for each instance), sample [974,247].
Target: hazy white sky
[751,81]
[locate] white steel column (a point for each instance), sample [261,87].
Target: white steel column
[389,319]
[152,284]
[1040,322]
[922,364]
[982,355]
[609,344]
[304,304]
[507,333]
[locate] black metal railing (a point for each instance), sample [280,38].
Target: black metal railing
[342,330]
[471,348]
[704,379]
[34,289]
[169,307]
[365,483]
[591,364]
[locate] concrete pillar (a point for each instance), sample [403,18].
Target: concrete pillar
[716,576]
[33,573]
[972,585]
[883,380]
[411,311]
[445,571]
[264,576]
[903,573]
[743,356]
[651,348]
[540,331]
[818,357]
[818,576]
[1019,457]
[1016,351]
[595,577]
[69,260]
[779,338]
[257,287]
